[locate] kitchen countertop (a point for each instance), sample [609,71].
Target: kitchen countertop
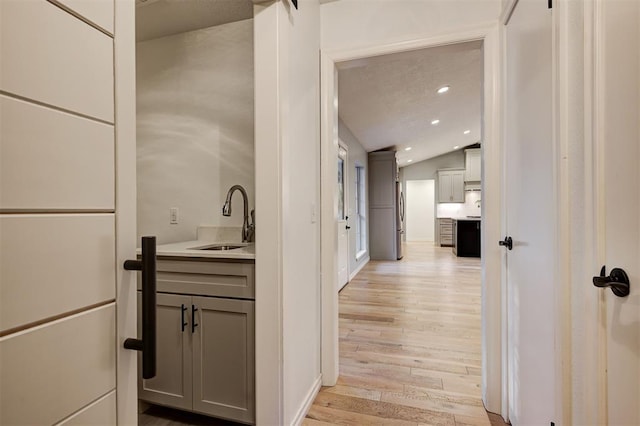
[462,218]
[189,249]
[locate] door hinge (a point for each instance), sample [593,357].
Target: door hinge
[552,423]
[550,4]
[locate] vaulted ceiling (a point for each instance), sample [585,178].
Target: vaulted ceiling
[390,101]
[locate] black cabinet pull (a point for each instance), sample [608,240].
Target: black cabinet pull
[618,281]
[148,342]
[194,324]
[184,309]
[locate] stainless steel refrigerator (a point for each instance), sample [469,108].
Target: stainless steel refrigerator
[399,219]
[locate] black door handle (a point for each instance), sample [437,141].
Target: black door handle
[508,243]
[618,281]
[347,227]
[148,342]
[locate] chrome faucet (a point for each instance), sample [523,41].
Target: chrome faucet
[248,229]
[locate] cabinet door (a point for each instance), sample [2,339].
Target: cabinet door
[173,382]
[457,187]
[473,161]
[223,358]
[444,188]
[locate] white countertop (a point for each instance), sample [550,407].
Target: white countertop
[462,218]
[190,249]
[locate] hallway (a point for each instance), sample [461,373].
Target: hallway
[409,344]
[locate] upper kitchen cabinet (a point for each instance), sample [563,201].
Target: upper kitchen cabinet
[451,186]
[473,165]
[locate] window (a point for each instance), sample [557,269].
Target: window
[361,213]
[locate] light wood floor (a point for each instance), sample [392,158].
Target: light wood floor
[409,344]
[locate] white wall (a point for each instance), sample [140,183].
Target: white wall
[349,23]
[287,144]
[300,130]
[195,128]
[358,155]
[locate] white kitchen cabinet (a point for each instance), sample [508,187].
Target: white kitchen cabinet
[451,186]
[205,343]
[473,165]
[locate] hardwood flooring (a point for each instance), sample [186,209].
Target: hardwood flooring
[409,344]
[409,348]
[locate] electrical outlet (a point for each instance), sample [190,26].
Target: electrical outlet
[173,215]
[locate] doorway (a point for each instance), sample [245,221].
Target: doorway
[420,219]
[491,262]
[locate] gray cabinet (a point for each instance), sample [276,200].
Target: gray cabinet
[206,355]
[223,358]
[445,234]
[451,186]
[383,206]
[473,165]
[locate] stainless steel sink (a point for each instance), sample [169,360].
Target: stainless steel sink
[221,247]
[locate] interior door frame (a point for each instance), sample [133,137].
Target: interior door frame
[493,305]
[125,150]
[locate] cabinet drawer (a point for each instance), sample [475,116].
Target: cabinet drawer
[206,278]
[446,240]
[446,229]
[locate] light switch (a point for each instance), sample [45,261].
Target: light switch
[173,215]
[314,213]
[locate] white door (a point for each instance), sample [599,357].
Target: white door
[420,220]
[618,150]
[343,224]
[67,212]
[530,222]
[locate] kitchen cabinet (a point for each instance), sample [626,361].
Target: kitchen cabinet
[466,238]
[473,165]
[206,356]
[445,234]
[451,186]
[384,226]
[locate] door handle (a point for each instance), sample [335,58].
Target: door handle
[507,242]
[618,281]
[347,227]
[148,342]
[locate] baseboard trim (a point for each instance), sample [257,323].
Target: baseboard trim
[359,268]
[311,396]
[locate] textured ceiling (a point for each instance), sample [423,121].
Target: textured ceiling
[390,100]
[159,18]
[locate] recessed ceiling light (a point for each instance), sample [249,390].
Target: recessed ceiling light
[434,122]
[408,161]
[408,148]
[466,132]
[443,89]
[456,147]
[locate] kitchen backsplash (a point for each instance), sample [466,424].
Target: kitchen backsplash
[472,206]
